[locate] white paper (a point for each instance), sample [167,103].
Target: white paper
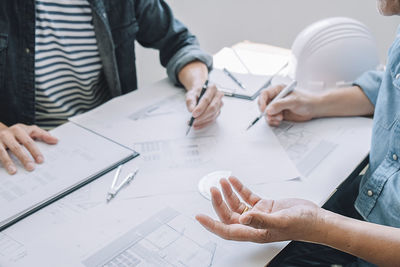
[262,63]
[253,83]
[81,224]
[157,130]
[246,61]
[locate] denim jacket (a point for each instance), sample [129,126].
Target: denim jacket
[379,196]
[117,23]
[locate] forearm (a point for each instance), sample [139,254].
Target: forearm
[193,75]
[349,101]
[372,242]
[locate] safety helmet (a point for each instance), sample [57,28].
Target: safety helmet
[332,52]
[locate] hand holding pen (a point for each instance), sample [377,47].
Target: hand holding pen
[281,94]
[204,104]
[297,106]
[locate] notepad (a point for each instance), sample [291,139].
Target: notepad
[253,69]
[80,157]
[253,84]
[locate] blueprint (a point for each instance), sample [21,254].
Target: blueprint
[165,239]
[308,144]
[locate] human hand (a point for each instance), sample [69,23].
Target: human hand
[208,108]
[16,137]
[265,221]
[297,106]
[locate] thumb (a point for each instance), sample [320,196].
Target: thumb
[286,103]
[261,220]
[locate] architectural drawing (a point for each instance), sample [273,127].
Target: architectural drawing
[167,106]
[166,239]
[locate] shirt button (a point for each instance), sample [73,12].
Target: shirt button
[27,50]
[394,157]
[398,76]
[370,193]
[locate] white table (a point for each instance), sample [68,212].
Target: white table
[71,230]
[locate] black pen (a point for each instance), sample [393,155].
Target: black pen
[203,90]
[234,79]
[285,91]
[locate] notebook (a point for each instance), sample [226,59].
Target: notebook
[80,157]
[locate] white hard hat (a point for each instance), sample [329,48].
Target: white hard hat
[333,52]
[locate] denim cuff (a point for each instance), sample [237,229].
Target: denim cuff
[183,57]
[370,83]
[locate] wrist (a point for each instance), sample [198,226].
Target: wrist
[326,228]
[193,75]
[321,104]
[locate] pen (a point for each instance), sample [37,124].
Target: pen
[227,72]
[116,177]
[203,90]
[285,91]
[114,191]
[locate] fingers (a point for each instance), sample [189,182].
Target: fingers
[208,109]
[268,95]
[207,112]
[19,139]
[222,210]
[233,201]
[191,100]
[262,220]
[274,120]
[23,138]
[9,141]
[286,103]
[205,101]
[199,125]
[40,134]
[244,192]
[6,161]
[235,232]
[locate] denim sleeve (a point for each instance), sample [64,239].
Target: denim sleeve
[160,30]
[370,83]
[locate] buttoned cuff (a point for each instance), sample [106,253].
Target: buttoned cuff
[183,57]
[370,83]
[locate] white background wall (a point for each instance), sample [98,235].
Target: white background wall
[219,23]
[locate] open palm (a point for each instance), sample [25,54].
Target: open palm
[266,221]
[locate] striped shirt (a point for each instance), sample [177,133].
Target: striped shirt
[68,70]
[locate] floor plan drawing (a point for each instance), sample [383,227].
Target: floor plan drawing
[166,239]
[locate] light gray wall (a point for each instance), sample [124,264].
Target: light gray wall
[219,23]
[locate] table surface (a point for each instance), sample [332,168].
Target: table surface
[69,230]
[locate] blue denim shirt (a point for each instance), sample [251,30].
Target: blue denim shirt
[117,23]
[379,196]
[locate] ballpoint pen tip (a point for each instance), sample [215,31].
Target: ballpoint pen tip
[252,124]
